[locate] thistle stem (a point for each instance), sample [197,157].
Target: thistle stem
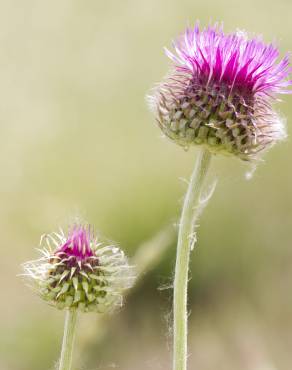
[190,213]
[68,340]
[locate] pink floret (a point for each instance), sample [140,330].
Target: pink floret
[77,244]
[243,64]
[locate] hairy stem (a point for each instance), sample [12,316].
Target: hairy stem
[68,340]
[190,212]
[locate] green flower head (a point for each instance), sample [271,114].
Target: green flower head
[79,271]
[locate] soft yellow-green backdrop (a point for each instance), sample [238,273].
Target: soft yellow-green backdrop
[77,140]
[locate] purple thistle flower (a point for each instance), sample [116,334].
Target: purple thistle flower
[220,92]
[79,271]
[77,244]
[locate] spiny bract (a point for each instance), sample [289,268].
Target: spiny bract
[78,271]
[220,93]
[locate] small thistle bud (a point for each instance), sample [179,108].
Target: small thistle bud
[80,272]
[220,93]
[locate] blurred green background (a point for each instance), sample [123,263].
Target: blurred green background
[78,140]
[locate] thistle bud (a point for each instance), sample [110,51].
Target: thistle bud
[220,93]
[79,271]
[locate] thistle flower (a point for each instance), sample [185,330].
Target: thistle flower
[220,93]
[79,272]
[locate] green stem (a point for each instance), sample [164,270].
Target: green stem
[68,340]
[190,212]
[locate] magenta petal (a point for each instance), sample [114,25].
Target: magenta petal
[245,64]
[77,243]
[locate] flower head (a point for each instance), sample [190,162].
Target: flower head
[220,92]
[78,271]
